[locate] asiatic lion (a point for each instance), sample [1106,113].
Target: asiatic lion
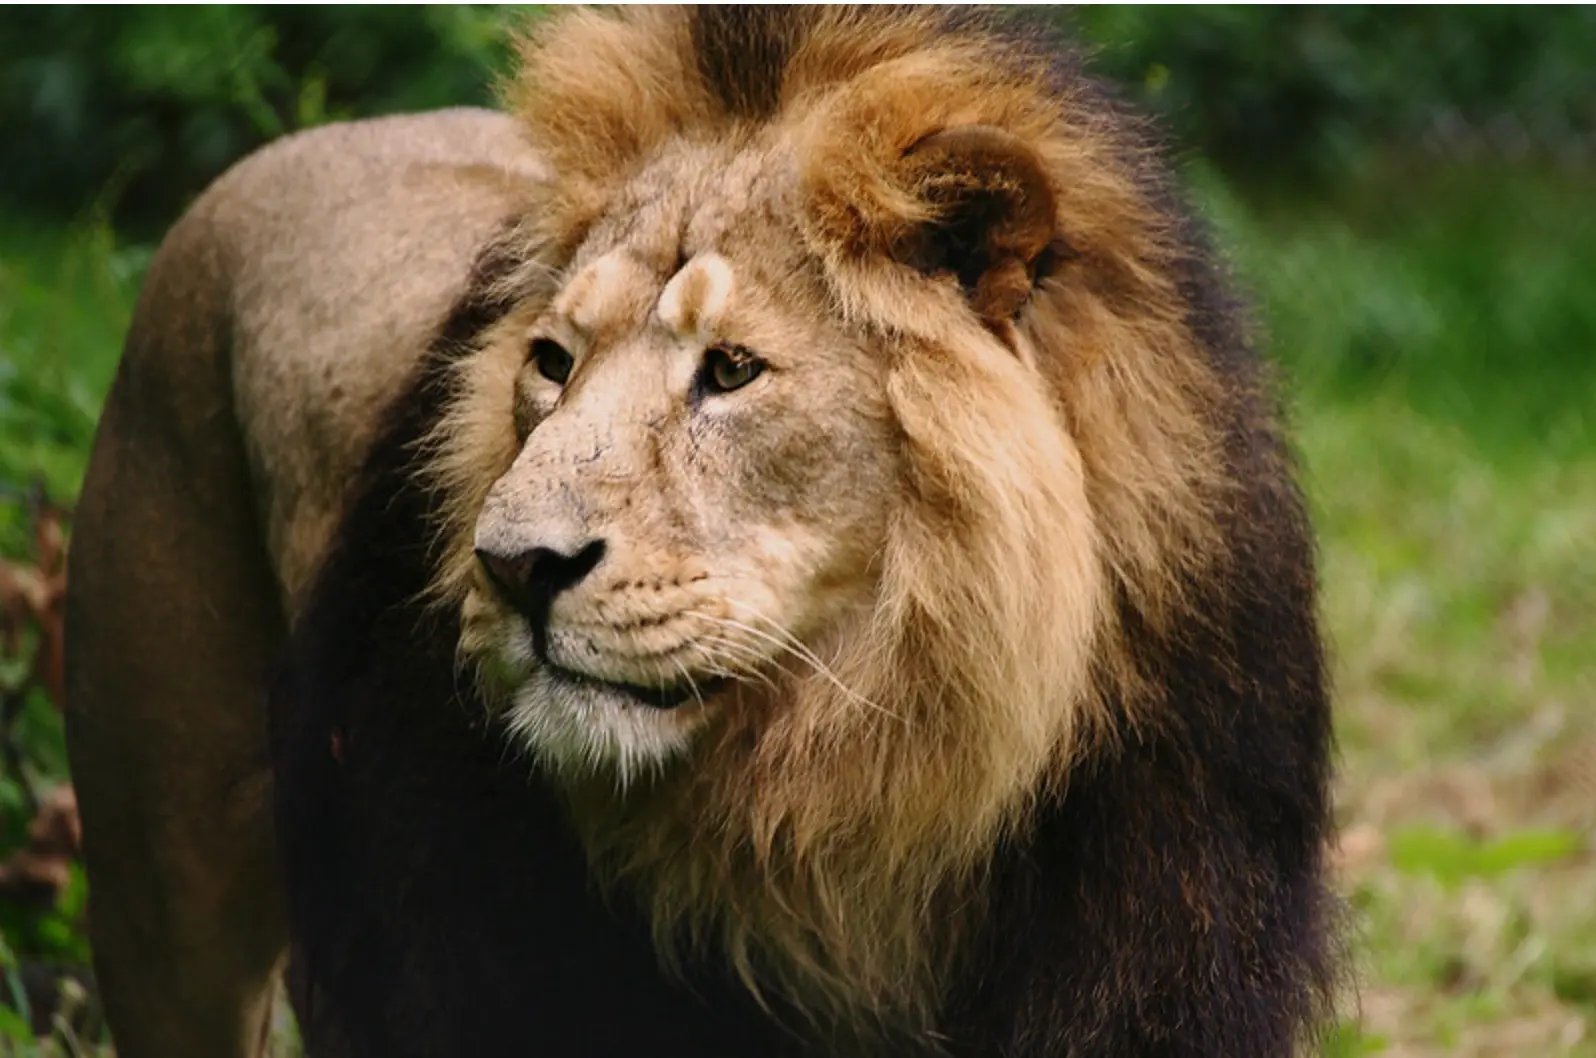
[781,547]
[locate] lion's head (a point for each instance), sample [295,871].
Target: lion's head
[849,405]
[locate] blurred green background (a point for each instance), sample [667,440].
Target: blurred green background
[1410,194]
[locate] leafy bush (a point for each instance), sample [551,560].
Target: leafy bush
[144,104]
[1313,91]
[141,106]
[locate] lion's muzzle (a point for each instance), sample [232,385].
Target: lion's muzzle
[528,578]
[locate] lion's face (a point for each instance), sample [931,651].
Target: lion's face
[706,471]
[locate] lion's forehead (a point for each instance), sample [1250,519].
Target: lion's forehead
[701,223]
[613,297]
[699,298]
[607,293]
[711,297]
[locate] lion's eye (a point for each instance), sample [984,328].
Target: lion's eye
[554,363]
[729,368]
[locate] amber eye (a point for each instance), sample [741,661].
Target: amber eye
[728,368]
[554,363]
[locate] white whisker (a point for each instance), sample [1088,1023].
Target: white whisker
[721,652]
[691,685]
[787,642]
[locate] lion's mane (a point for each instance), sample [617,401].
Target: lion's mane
[1090,682]
[1059,505]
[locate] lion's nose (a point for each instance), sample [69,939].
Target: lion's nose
[530,578]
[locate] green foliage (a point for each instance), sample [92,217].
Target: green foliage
[14,1026]
[52,933]
[14,1012]
[1451,856]
[64,305]
[1347,1041]
[143,105]
[1434,286]
[1319,91]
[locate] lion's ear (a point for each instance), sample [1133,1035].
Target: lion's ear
[991,216]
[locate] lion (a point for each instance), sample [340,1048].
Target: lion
[781,543]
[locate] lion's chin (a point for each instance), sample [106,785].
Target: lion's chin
[661,698]
[575,725]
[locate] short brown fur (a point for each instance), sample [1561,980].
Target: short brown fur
[280,315]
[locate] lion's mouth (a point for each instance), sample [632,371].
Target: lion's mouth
[664,697]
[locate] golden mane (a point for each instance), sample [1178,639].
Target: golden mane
[830,835]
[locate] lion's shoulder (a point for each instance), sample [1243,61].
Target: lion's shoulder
[329,260]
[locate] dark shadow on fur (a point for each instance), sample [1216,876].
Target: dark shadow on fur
[439,905]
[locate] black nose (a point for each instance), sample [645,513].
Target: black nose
[530,579]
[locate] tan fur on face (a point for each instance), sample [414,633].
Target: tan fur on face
[829,829]
[697,296]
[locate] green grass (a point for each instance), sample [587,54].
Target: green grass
[1438,333]
[65,301]
[1441,337]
